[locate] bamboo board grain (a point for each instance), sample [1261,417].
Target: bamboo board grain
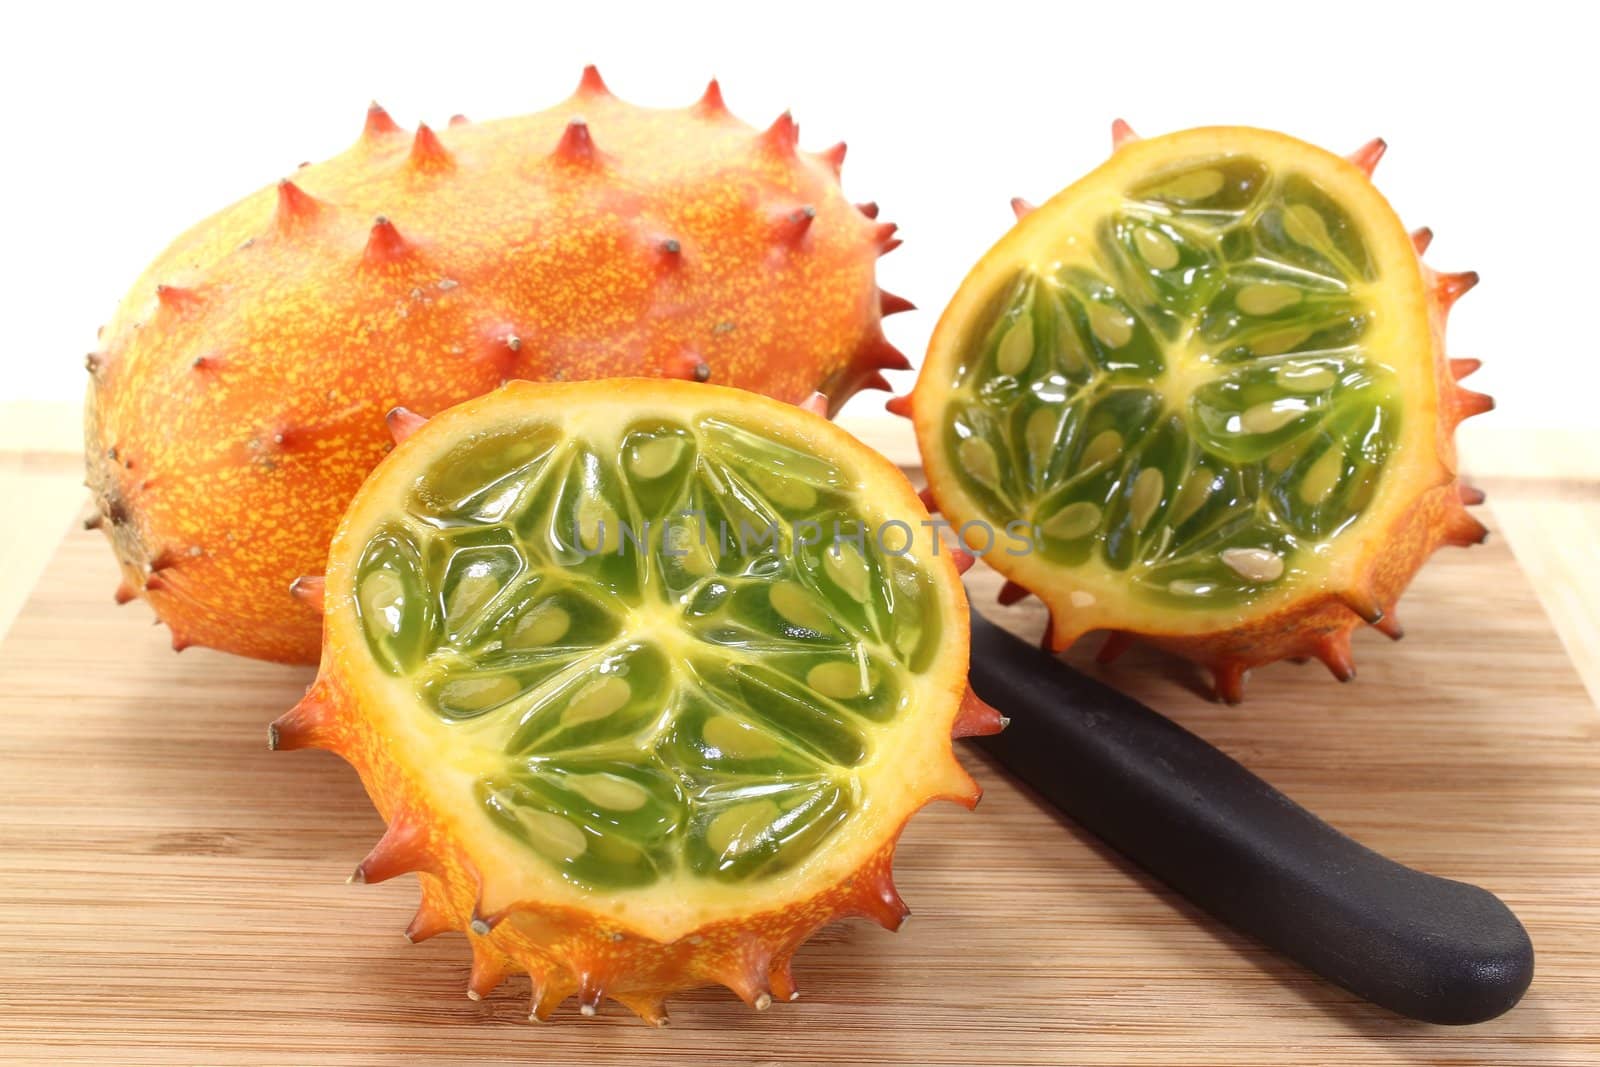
[171,892]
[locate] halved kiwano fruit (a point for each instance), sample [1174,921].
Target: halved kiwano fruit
[646,677]
[1210,377]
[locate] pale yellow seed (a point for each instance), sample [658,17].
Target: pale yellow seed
[609,791]
[737,741]
[1254,564]
[1073,521]
[1156,248]
[798,606]
[544,624]
[1196,185]
[475,589]
[1269,416]
[1195,492]
[1305,225]
[1266,298]
[1113,328]
[847,568]
[739,828]
[598,699]
[382,595]
[1041,436]
[1146,496]
[1069,349]
[1323,477]
[1081,598]
[1106,446]
[840,680]
[978,459]
[654,458]
[1016,347]
[476,694]
[784,489]
[1185,587]
[687,548]
[599,529]
[1278,342]
[553,835]
[1306,379]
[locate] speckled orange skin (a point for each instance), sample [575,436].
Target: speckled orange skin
[238,394]
[1319,624]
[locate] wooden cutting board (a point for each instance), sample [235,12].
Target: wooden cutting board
[172,892]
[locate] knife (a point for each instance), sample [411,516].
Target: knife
[1423,946]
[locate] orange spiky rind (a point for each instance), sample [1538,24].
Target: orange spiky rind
[1366,157]
[361,315]
[403,422]
[295,208]
[1121,134]
[591,84]
[1426,511]
[428,153]
[576,147]
[582,945]
[309,589]
[1021,208]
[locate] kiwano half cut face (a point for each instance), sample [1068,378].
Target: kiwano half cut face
[1211,376]
[238,395]
[645,677]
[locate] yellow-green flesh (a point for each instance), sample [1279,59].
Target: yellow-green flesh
[1184,394]
[636,648]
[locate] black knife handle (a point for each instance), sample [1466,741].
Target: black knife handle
[1425,947]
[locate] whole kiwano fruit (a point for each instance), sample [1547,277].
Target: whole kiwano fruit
[238,394]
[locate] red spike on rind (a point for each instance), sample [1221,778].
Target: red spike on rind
[782,137]
[460,120]
[962,559]
[310,590]
[1461,368]
[879,354]
[926,496]
[576,147]
[403,422]
[489,969]
[384,245]
[428,155]
[379,124]
[295,208]
[403,849]
[1468,403]
[1021,207]
[306,725]
[1121,134]
[816,403]
[890,304]
[1421,239]
[1471,495]
[125,593]
[975,718]
[710,103]
[780,976]
[652,1009]
[430,919]
[178,300]
[1366,157]
[877,381]
[1364,604]
[791,224]
[834,157]
[591,84]
[1228,681]
[877,899]
[1463,531]
[1334,651]
[1011,593]
[1389,626]
[899,405]
[869,209]
[884,237]
[1448,288]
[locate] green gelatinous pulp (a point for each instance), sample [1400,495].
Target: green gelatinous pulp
[1194,403]
[668,656]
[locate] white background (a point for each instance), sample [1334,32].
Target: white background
[127,123]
